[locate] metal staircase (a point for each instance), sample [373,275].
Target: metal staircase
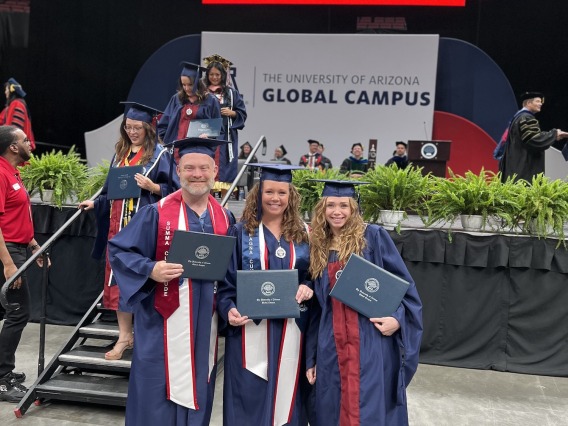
[78,371]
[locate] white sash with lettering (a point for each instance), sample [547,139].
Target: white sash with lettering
[179,342]
[255,351]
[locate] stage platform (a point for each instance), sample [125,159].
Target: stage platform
[491,301]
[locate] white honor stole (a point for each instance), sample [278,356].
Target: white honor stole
[179,341]
[255,351]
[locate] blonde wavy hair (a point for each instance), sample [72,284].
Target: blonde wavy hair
[351,239]
[293,229]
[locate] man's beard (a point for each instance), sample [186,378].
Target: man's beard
[201,190]
[23,153]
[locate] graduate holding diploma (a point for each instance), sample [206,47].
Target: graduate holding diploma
[361,366]
[137,146]
[263,357]
[174,364]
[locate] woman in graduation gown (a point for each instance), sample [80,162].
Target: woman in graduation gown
[137,146]
[234,114]
[263,357]
[361,366]
[191,102]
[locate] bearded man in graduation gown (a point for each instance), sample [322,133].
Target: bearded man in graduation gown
[526,142]
[174,365]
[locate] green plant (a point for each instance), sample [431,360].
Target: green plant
[64,174]
[543,206]
[96,177]
[391,188]
[482,194]
[309,190]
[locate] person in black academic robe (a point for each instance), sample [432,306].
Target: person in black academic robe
[356,164]
[526,142]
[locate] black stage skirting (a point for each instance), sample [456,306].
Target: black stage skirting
[490,301]
[75,279]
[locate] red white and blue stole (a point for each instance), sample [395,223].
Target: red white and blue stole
[255,337]
[174,301]
[121,212]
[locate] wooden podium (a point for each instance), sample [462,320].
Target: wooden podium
[430,155]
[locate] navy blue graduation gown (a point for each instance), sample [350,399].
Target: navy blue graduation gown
[387,364]
[248,399]
[159,166]
[131,253]
[168,125]
[228,170]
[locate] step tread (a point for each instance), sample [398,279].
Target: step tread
[95,355]
[99,328]
[85,388]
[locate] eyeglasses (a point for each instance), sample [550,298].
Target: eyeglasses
[133,129]
[26,140]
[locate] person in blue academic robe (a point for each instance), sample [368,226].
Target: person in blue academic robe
[233,112]
[263,358]
[137,146]
[360,366]
[191,102]
[174,363]
[157,170]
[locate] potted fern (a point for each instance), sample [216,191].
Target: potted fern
[472,198]
[543,206]
[96,177]
[392,192]
[62,174]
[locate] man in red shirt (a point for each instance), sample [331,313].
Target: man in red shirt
[16,236]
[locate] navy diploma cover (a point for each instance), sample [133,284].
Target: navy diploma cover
[210,126]
[369,289]
[268,294]
[203,256]
[121,183]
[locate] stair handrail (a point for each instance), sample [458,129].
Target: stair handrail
[43,248]
[262,141]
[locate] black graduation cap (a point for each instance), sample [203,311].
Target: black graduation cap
[401,143]
[246,143]
[196,146]
[355,144]
[275,172]
[140,112]
[311,141]
[531,95]
[339,188]
[16,87]
[281,148]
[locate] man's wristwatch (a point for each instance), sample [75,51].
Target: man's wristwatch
[35,246]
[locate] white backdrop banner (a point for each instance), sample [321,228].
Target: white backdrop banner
[337,89]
